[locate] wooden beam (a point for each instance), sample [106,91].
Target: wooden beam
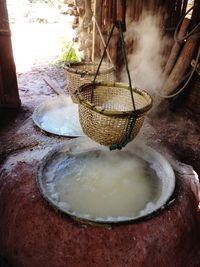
[181,66]
[9,95]
[54,85]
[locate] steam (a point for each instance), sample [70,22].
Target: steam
[146,62]
[59,116]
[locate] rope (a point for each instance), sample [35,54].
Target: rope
[126,62]
[102,39]
[132,119]
[127,137]
[104,52]
[176,39]
[190,74]
[187,82]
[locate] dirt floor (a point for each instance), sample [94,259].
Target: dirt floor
[33,91]
[179,130]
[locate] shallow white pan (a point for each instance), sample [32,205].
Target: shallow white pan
[58,116]
[69,160]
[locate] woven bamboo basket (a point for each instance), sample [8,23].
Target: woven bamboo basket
[81,73]
[105,111]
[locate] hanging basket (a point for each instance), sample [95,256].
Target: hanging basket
[81,73]
[105,111]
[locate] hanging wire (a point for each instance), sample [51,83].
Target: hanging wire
[117,24]
[190,74]
[176,39]
[126,62]
[188,80]
[102,39]
[132,118]
[104,52]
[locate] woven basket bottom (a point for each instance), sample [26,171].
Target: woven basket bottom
[105,130]
[81,74]
[105,112]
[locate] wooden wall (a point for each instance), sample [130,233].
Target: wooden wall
[172,10]
[178,55]
[9,96]
[104,11]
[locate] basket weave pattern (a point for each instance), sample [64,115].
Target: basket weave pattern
[104,113]
[78,74]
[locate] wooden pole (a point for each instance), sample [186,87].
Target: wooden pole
[184,60]
[184,7]
[94,32]
[96,44]
[9,96]
[176,48]
[181,66]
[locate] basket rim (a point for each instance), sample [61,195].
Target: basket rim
[89,105]
[70,67]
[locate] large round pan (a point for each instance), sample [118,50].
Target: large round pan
[58,160]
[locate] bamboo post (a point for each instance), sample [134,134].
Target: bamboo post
[181,66]
[184,7]
[176,48]
[94,32]
[184,59]
[96,44]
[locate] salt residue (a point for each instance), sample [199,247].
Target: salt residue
[60,116]
[75,157]
[116,103]
[25,156]
[104,185]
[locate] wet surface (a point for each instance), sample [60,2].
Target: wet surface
[90,182]
[58,116]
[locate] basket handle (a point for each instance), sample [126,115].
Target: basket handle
[104,52]
[132,119]
[119,25]
[102,39]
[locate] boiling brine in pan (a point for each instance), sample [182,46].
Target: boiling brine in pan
[106,184]
[58,116]
[62,120]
